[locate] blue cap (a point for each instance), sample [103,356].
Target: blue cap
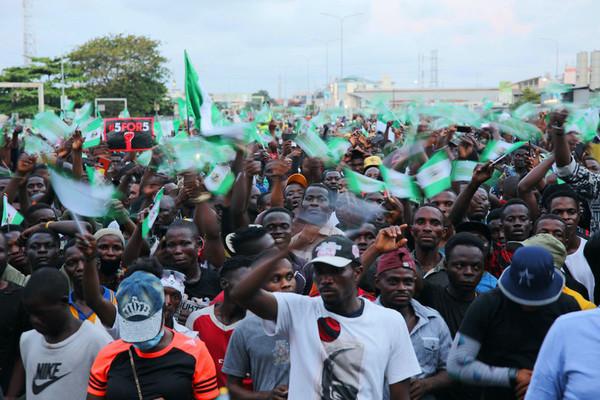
[531,279]
[140,300]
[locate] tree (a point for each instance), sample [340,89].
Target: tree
[124,66]
[528,95]
[261,94]
[41,69]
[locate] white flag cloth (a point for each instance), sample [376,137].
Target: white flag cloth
[81,198]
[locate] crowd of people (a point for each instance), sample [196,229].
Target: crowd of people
[295,283]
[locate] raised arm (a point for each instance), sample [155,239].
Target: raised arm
[482,173]
[106,311]
[557,131]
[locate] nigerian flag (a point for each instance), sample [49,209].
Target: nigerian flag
[10,216]
[124,113]
[199,104]
[462,170]
[435,175]
[92,133]
[148,222]
[398,184]
[220,180]
[359,183]
[497,148]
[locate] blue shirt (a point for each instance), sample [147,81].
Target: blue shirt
[487,283]
[566,367]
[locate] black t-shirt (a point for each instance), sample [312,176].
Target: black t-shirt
[510,336]
[451,309]
[13,322]
[200,293]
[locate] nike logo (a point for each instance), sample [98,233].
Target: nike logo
[37,389]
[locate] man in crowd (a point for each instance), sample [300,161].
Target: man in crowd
[428,231]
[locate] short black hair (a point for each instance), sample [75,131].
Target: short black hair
[331,195]
[514,202]
[48,283]
[34,175]
[496,213]
[278,209]
[548,216]
[463,239]
[70,243]
[36,207]
[145,264]
[54,235]
[558,190]
[183,224]
[429,205]
[234,263]
[262,197]
[591,252]
[245,235]
[324,174]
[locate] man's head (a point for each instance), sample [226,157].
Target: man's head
[564,202]
[293,194]
[520,158]
[556,248]
[479,205]
[281,278]
[152,185]
[110,244]
[479,229]
[181,245]
[166,213]
[253,203]
[250,241]
[331,179]
[35,184]
[173,283]
[233,270]
[317,204]
[278,222]
[39,213]
[357,161]
[337,269]
[373,173]
[465,258]
[43,249]
[14,248]
[495,224]
[428,228]
[516,220]
[363,237]
[444,201]
[46,300]
[74,263]
[396,278]
[263,202]
[553,225]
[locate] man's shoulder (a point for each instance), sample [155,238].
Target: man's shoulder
[566,304]
[94,332]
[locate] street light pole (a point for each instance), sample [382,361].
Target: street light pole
[341,19]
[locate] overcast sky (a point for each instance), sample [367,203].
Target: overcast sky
[246,45]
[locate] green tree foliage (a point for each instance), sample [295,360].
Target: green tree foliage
[42,69]
[527,96]
[124,66]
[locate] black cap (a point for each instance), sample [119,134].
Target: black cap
[337,251]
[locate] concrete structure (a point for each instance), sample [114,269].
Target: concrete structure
[28,85]
[582,69]
[570,75]
[595,70]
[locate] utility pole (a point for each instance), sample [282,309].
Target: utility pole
[341,20]
[28,39]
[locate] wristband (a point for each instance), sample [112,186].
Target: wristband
[205,196]
[47,226]
[512,376]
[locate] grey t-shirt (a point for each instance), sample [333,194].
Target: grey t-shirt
[61,370]
[265,358]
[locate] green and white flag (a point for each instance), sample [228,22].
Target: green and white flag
[92,133]
[220,180]
[36,145]
[310,142]
[199,104]
[497,148]
[358,183]
[10,216]
[462,170]
[82,114]
[51,126]
[124,113]
[81,198]
[148,222]
[398,184]
[435,175]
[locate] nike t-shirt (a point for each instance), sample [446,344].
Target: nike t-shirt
[61,370]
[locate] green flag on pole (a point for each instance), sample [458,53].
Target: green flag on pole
[10,215]
[435,175]
[462,170]
[497,148]
[92,133]
[199,104]
[359,183]
[220,180]
[398,184]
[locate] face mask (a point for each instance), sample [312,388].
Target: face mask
[109,267]
[151,343]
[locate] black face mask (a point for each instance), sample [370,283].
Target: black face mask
[109,267]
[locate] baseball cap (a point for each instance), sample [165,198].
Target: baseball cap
[140,300]
[550,243]
[173,279]
[531,279]
[337,251]
[298,179]
[399,258]
[372,161]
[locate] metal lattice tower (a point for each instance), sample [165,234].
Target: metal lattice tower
[433,76]
[421,70]
[28,39]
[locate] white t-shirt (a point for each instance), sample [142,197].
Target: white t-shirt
[61,370]
[580,269]
[353,364]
